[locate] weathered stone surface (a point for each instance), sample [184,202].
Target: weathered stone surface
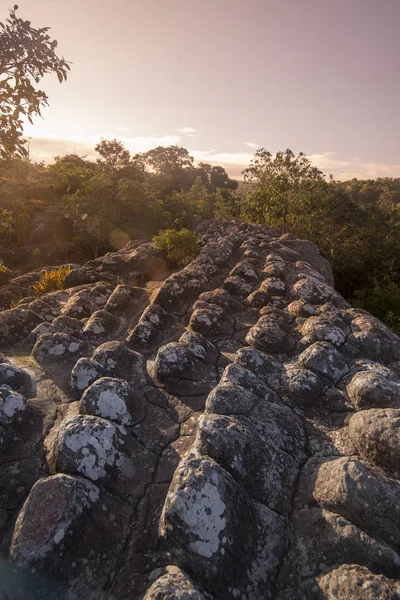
[13,408]
[16,324]
[376,435]
[18,379]
[267,368]
[84,373]
[103,452]
[356,491]
[68,325]
[347,581]
[202,519]
[334,540]
[267,473]
[57,347]
[211,321]
[53,507]
[174,584]
[111,399]
[324,360]
[246,467]
[117,360]
[303,386]
[371,389]
[101,324]
[181,371]
[237,286]
[269,336]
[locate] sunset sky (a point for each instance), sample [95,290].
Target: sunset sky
[223,77]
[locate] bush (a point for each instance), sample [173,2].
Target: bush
[382,299]
[180,247]
[51,281]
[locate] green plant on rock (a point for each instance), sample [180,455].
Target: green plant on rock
[180,247]
[51,281]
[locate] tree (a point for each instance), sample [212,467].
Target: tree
[279,187]
[69,173]
[114,156]
[215,177]
[26,55]
[166,160]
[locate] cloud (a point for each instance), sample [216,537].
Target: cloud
[123,129]
[233,162]
[347,169]
[46,148]
[252,145]
[187,130]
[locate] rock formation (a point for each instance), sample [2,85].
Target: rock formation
[230,433]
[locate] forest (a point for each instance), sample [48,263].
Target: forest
[120,197]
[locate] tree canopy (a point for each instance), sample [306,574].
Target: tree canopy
[26,55]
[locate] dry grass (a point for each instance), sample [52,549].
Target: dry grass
[51,281]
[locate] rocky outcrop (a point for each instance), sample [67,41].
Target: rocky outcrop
[232,434]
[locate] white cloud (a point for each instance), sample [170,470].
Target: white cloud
[347,169]
[187,130]
[45,148]
[123,129]
[252,145]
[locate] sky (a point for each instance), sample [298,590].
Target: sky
[225,77]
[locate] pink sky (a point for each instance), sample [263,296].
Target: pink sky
[223,77]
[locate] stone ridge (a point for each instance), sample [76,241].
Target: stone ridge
[230,434]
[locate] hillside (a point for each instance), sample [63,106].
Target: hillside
[227,430]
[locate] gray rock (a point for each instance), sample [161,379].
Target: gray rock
[265,367]
[173,584]
[180,371]
[267,473]
[16,324]
[57,347]
[324,360]
[371,389]
[321,540]
[376,435]
[269,336]
[358,492]
[117,360]
[347,581]
[111,399]
[203,522]
[51,510]
[103,452]
[303,386]
[84,373]
[18,379]
[101,325]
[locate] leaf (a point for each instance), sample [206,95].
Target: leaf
[60,76]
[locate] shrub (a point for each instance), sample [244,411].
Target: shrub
[51,281]
[180,247]
[382,299]
[5,273]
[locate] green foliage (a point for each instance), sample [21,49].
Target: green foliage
[27,54]
[382,299]
[51,281]
[68,174]
[180,247]
[6,226]
[280,186]
[114,156]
